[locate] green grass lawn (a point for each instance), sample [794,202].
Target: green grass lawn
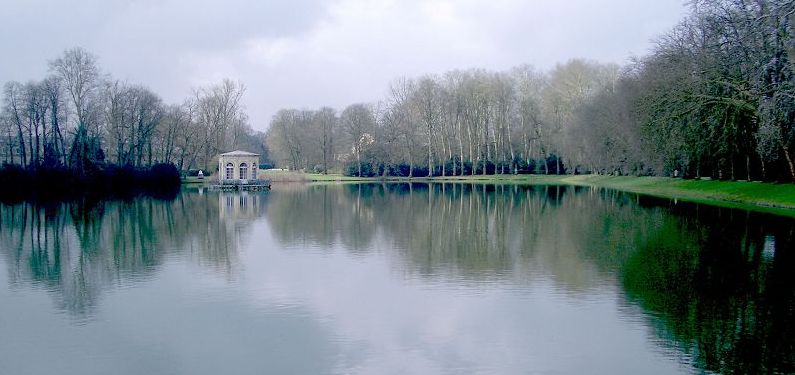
[195,180]
[778,198]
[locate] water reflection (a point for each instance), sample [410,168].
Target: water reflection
[469,232]
[713,284]
[76,250]
[718,285]
[561,276]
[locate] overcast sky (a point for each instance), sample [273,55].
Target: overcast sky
[308,53]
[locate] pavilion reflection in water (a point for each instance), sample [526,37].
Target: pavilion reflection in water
[240,206]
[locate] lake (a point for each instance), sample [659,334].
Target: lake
[395,279]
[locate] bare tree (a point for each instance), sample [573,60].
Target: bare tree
[326,121]
[358,122]
[78,71]
[13,107]
[219,111]
[426,102]
[54,148]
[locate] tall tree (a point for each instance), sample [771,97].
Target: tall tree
[358,122]
[79,73]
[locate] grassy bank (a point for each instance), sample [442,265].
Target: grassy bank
[767,197]
[293,176]
[193,180]
[775,198]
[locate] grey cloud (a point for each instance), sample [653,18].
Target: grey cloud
[209,24]
[33,32]
[329,52]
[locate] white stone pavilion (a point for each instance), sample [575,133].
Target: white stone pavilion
[237,167]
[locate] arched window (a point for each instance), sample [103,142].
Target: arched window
[243,171]
[230,171]
[253,171]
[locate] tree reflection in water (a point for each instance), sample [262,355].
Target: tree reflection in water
[77,250]
[718,284]
[459,231]
[715,284]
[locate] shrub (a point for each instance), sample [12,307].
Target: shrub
[107,181]
[368,170]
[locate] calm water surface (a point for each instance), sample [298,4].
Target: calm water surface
[395,279]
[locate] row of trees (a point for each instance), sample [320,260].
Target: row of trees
[463,122]
[714,98]
[717,93]
[81,119]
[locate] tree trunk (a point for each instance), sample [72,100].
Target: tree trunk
[358,160]
[31,154]
[325,154]
[408,157]
[430,160]
[21,137]
[471,150]
[487,155]
[557,164]
[460,150]
[790,164]
[37,155]
[698,168]
[545,161]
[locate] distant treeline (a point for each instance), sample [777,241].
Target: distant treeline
[714,98]
[82,121]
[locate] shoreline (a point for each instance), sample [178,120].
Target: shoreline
[774,198]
